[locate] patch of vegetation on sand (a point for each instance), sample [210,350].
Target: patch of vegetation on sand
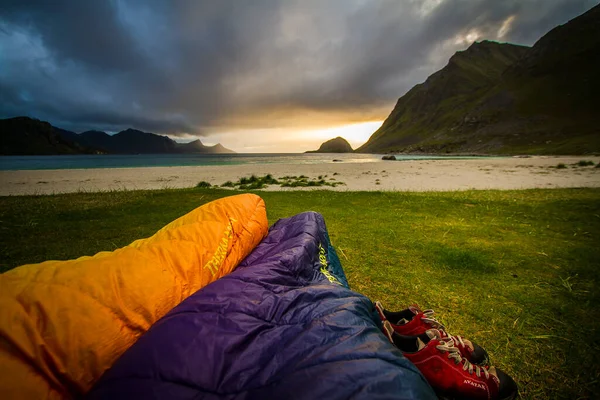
[305,181]
[254,182]
[203,185]
[559,166]
[584,163]
[515,271]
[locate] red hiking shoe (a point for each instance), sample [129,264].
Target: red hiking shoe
[414,322]
[451,375]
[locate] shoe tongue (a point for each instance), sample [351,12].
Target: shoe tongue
[388,330]
[420,344]
[492,371]
[415,309]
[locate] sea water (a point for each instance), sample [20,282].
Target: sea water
[85,161]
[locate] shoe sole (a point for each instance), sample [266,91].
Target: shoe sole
[443,397]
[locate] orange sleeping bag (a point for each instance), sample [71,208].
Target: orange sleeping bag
[63,323]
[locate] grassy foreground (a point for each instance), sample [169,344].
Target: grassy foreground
[516,271]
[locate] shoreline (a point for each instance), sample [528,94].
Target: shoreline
[149,160]
[406,175]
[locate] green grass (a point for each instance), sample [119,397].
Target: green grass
[516,271]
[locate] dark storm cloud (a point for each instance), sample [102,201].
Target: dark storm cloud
[185,66]
[87,32]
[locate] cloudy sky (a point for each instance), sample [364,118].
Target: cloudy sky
[257,76]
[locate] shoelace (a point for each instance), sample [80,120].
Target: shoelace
[429,319]
[454,353]
[456,339]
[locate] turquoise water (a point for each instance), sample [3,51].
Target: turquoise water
[11,163]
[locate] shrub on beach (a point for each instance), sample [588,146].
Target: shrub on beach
[584,163]
[203,185]
[269,180]
[253,185]
[307,183]
[246,181]
[254,182]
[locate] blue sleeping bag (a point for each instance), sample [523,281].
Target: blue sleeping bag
[283,325]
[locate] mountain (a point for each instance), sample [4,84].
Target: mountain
[132,141]
[26,136]
[337,145]
[427,114]
[97,139]
[197,147]
[496,98]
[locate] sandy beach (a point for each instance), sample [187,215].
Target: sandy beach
[423,175]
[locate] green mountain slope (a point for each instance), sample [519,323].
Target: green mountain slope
[501,98]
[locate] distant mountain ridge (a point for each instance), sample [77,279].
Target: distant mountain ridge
[336,145]
[27,136]
[496,98]
[197,147]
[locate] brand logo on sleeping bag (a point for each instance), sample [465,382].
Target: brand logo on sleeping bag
[324,270]
[217,260]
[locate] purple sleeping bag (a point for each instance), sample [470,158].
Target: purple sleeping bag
[283,325]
